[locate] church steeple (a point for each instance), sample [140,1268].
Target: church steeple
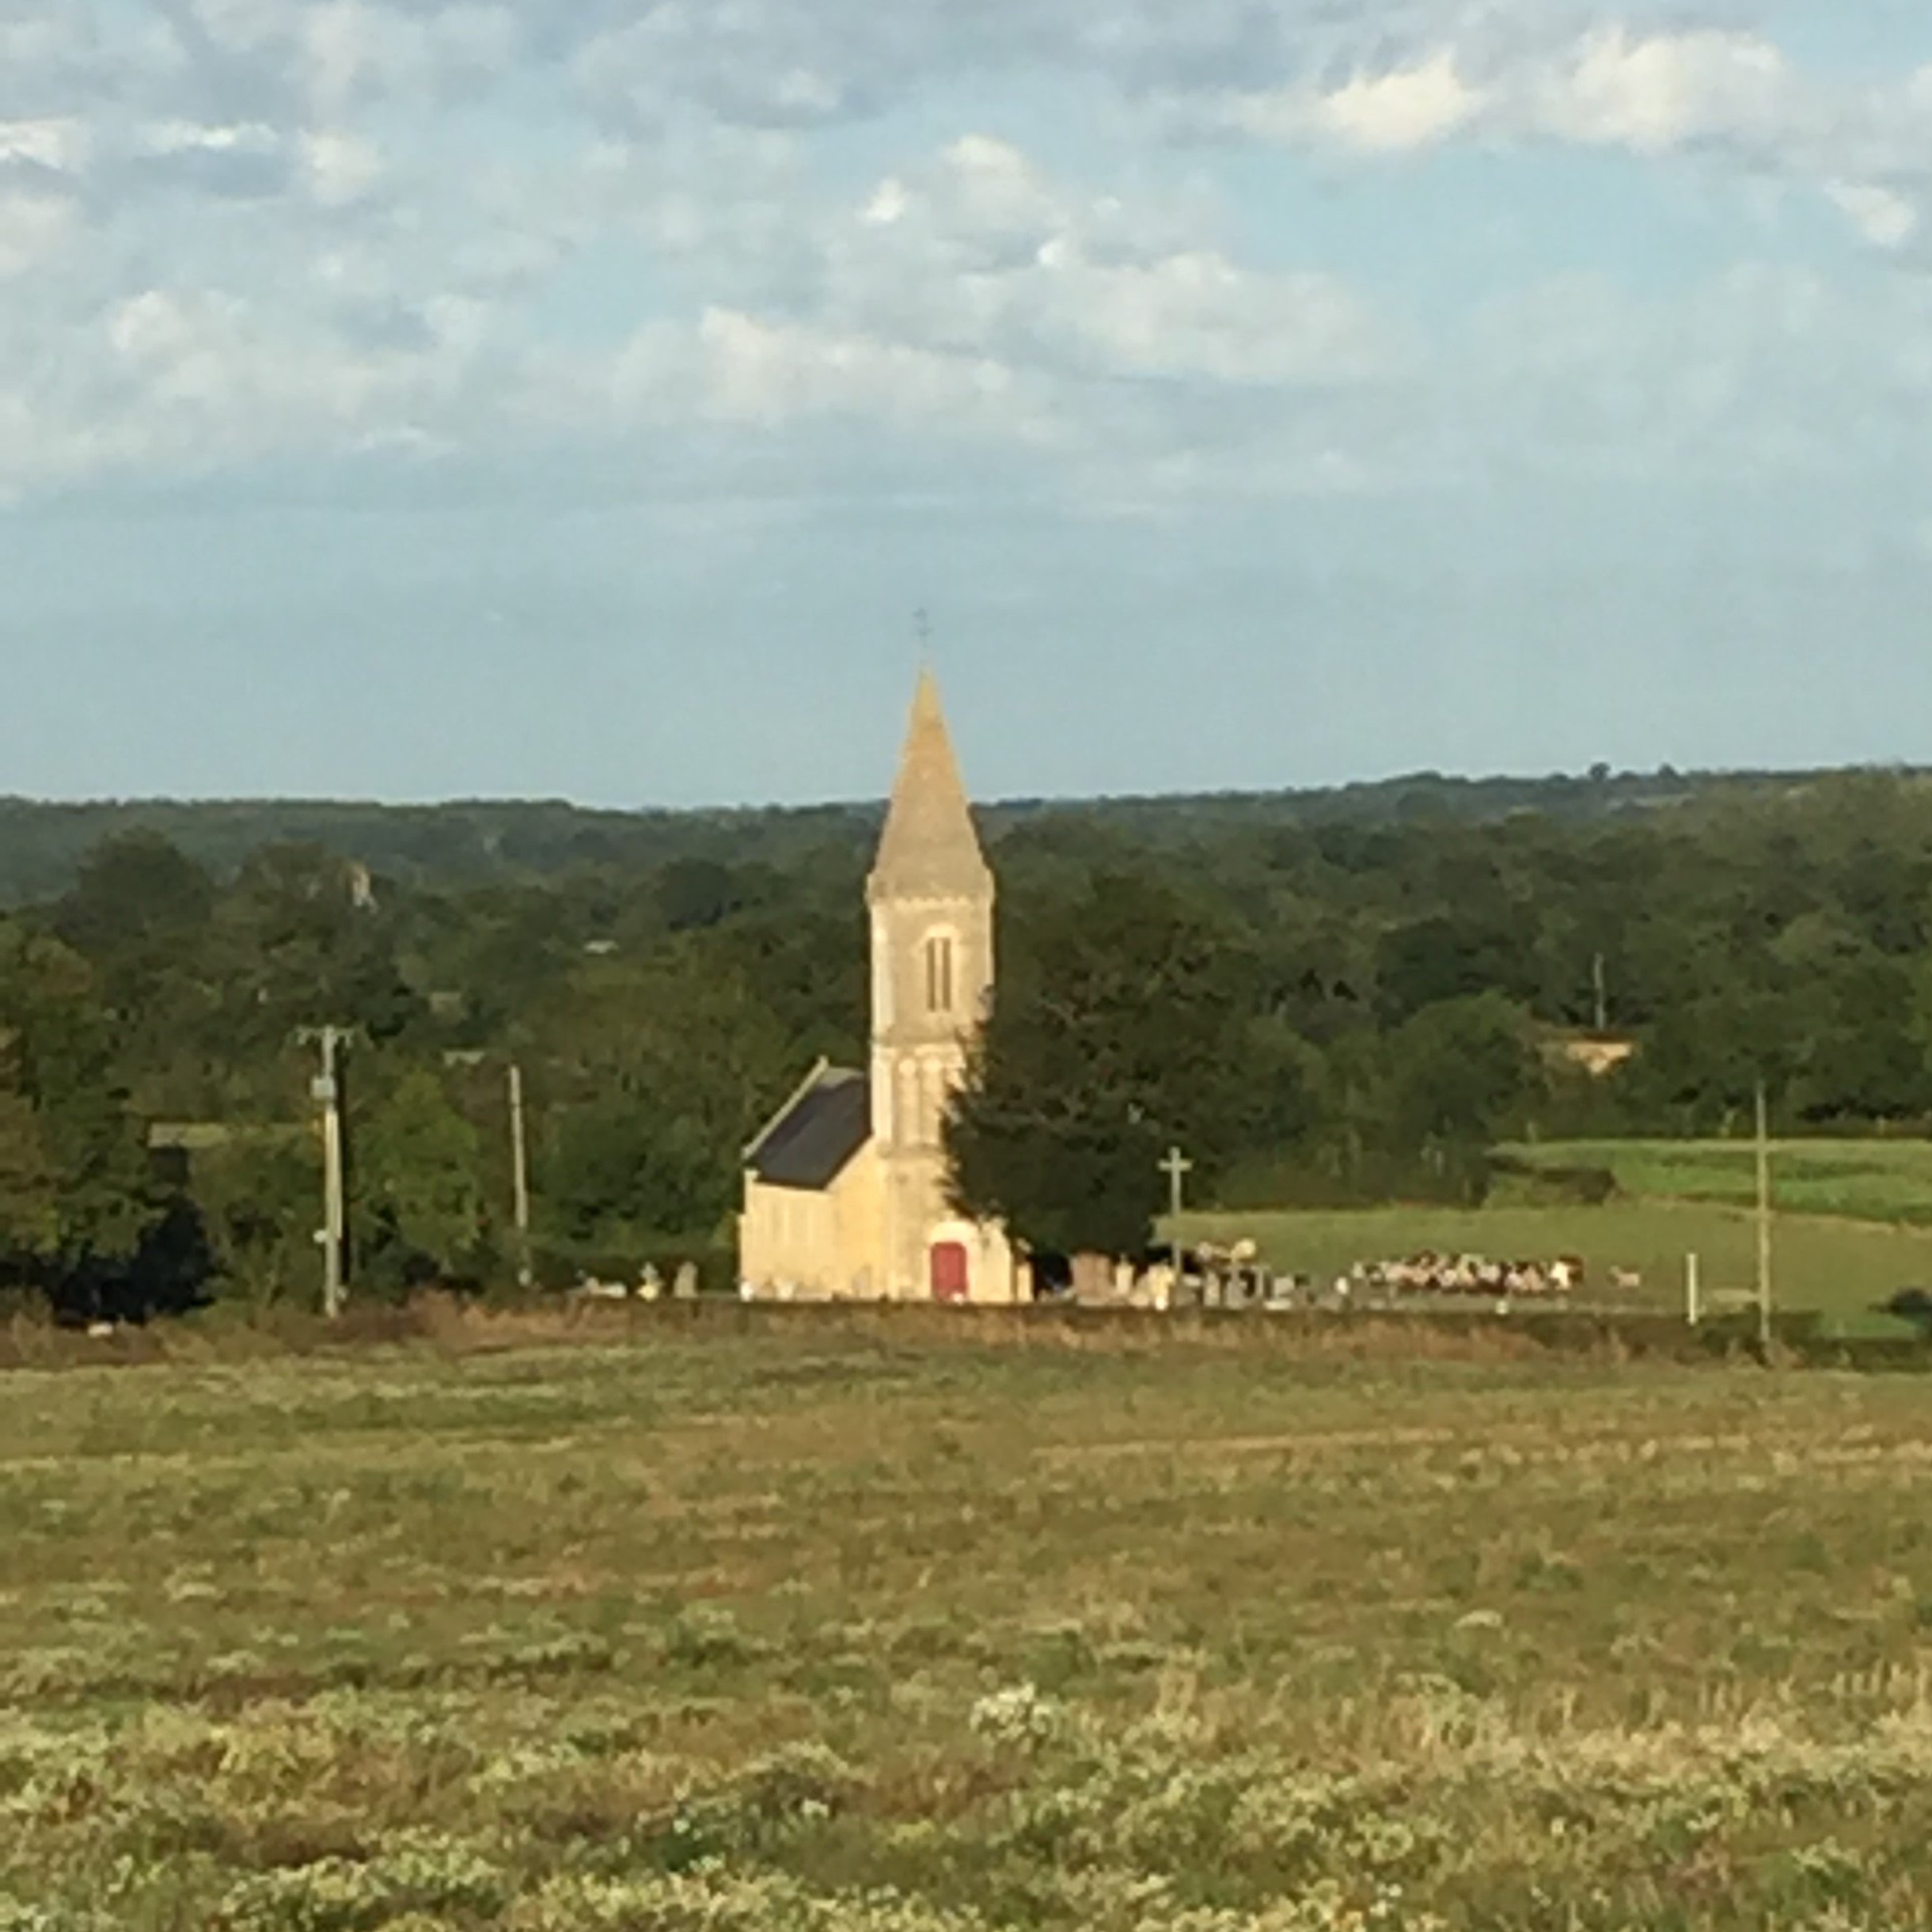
[831,1212]
[930,849]
[932,895]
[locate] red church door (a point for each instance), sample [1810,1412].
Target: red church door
[951,1272]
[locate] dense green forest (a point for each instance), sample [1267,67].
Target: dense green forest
[1323,1003]
[42,846]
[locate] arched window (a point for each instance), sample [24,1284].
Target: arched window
[939,973]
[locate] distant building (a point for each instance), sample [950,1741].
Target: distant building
[1597,1056]
[845,1189]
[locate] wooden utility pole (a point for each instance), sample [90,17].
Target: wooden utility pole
[520,1175]
[1177,1167]
[332,1235]
[1764,1222]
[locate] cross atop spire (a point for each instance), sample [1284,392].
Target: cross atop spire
[930,847]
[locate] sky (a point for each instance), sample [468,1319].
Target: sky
[579,398]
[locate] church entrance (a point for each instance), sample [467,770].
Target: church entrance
[951,1271]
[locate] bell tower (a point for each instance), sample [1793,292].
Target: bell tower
[931,897]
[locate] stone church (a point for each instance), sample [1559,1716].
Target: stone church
[845,1189]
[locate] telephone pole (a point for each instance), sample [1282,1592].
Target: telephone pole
[1764,1223]
[520,1175]
[327,1090]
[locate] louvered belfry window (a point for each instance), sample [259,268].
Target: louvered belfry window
[939,973]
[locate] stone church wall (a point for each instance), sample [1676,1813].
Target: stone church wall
[797,1245]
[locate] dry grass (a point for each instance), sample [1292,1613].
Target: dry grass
[459,1329]
[914,1627]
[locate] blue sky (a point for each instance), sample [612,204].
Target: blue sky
[414,400]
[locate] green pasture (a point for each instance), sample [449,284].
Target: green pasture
[1842,1269]
[1871,1180]
[1853,1224]
[867,1625]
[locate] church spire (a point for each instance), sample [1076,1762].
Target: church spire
[930,847]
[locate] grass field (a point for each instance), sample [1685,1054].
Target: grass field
[1853,1223]
[870,1626]
[1841,1268]
[1859,1180]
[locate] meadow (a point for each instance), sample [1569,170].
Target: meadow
[1853,1224]
[922,1626]
[1866,1179]
[1842,1270]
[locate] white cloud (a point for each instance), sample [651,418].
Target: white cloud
[1390,111]
[33,228]
[262,228]
[1886,220]
[1610,86]
[992,189]
[977,294]
[768,373]
[889,203]
[732,59]
[1198,314]
[1656,93]
[342,168]
[349,50]
[1407,108]
[1758,372]
[188,137]
[1728,99]
[62,146]
[981,252]
[184,380]
[238,23]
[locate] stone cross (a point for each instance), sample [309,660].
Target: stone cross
[1177,1167]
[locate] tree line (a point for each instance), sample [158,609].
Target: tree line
[492,841]
[1322,1009]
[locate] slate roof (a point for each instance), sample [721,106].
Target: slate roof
[822,1126]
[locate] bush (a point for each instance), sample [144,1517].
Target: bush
[1366,1177]
[1913,1305]
[1535,1185]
